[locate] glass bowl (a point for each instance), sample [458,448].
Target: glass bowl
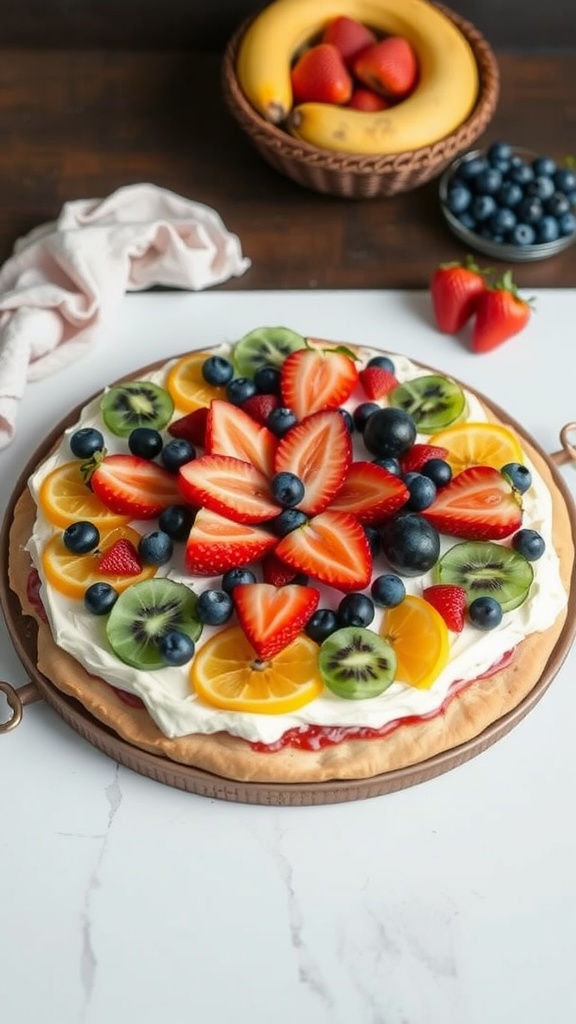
[503,251]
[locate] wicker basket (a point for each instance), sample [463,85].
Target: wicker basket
[364,177]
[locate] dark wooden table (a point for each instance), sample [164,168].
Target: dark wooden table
[81,123]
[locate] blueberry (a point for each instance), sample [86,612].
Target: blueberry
[499,151]
[439,471]
[564,180]
[544,165]
[382,363]
[542,187]
[548,229]
[362,414]
[502,220]
[485,613]
[530,210]
[373,540]
[469,169]
[390,464]
[518,475]
[355,609]
[288,520]
[240,389]
[176,647]
[81,537]
[321,624]
[236,578]
[510,194]
[558,204]
[177,453]
[523,234]
[214,607]
[458,198]
[488,181]
[287,489]
[567,223]
[529,543]
[281,420]
[267,380]
[348,420]
[467,220]
[483,206]
[85,442]
[100,597]
[145,442]
[422,491]
[389,431]
[176,520]
[388,590]
[155,548]
[410,544]
[521,173]
[217,371]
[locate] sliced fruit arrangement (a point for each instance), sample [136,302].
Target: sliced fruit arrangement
[325,503]
[72,573]
[228,674]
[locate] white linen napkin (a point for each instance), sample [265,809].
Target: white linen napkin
[65,280]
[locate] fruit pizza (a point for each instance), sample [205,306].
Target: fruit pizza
[293,560]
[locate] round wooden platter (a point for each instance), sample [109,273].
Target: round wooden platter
[22,629]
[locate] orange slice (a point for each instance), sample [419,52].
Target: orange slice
[65,498]
[187,386]
[71,574]
[227,674]
[478,444]
[420,639]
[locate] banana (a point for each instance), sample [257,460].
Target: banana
[443,99]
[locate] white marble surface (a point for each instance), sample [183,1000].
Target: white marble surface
[452,902]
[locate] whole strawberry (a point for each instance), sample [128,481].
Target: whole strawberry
[500,314]
[320,75]
[455,289]
[389,67]
[349,35]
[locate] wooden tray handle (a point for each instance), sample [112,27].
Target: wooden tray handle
[17,700]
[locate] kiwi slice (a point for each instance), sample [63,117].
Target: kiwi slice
[138,403]
[433,401]
[265,346]
[486,569]
[144,613]
[356,663]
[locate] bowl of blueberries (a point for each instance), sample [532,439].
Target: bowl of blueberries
[510,203]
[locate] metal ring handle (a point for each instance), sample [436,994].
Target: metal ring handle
[15,704]
[567,452]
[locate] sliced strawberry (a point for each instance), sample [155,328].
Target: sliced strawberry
[216,544]
[333,548]
[477,504]
[259,407]
[314,378]
[377,382]
[319,451]
[228,486]
[191,427]
[419,454]
[133,486]
[121,559]
[272,618]
[370,493]
[275,571]
[231,431]
[450,601]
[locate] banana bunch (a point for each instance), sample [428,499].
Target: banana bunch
[444,97]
